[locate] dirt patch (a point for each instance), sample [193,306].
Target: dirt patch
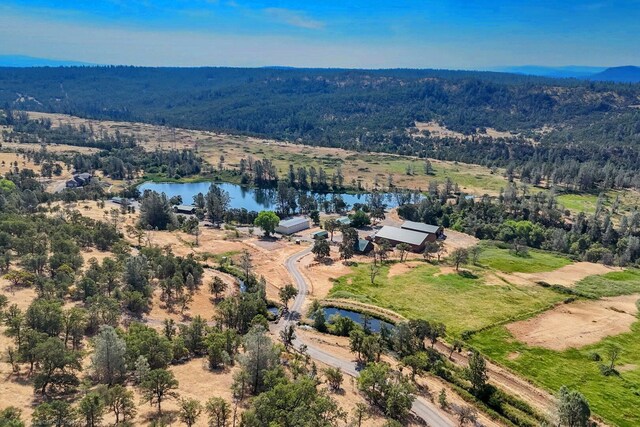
[570,274]
[400,268]
[627,367]
[578,324]
[322,275]
[456,240]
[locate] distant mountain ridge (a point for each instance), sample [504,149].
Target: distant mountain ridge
[30,61]
[569,71]
[626,74]
[623,74]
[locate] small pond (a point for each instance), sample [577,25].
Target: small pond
[375,325]
[251,199]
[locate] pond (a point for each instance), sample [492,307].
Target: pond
[375,325]
[251,199]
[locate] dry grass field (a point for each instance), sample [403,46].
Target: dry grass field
[368,168]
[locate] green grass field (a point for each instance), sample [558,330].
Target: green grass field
[611,284]
[628,200]
[460,302]
[507,262]
[614,398]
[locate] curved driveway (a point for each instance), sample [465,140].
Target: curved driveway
[422,408]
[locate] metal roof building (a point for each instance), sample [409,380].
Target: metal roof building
[344,220]
[421,227]
[395,236]
[292,225]
[184,209]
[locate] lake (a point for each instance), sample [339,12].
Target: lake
[251,199]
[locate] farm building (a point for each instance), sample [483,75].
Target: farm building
[394,235]
[363,246]
[322,234]
[185,209]
[344,221]
[292,225]
[434,231]
[79,180]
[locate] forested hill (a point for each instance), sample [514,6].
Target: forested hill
[556,120]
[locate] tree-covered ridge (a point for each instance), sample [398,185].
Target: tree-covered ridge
[593,127]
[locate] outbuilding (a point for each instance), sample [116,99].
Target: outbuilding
[318,235]
[394,235]
[363,246]
[185,209]
[344,221]
[292,225]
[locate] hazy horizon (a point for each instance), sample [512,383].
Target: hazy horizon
[372,34]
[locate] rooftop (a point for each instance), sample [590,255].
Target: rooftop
[344,220]
[420,226]
[361,245]
[401,235]
[290,222]
[185,207]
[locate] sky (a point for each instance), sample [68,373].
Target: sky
[452,34]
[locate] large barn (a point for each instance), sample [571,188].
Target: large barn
[394,235]
[292,225]
[434,232]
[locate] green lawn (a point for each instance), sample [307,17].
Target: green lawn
[506,261]
[615,398]
[461,303]
[578,202]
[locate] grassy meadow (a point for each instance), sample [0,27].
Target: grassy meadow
[614,398]
[506,261]
[460,301]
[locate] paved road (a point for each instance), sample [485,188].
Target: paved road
[422,408]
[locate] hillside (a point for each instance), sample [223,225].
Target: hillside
[495,119]
[627,74]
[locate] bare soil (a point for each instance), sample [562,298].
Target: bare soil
[570,274]
[400,268]
[577,324]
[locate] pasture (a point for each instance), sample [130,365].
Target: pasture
[616,397]
[462,301]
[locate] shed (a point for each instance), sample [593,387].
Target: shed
[344,220]
[322,234]
[72,183]
[394,235]
[292,225]
[185,209]
[363,246]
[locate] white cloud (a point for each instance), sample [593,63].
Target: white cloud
[294,18]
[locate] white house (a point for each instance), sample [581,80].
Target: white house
[292,225]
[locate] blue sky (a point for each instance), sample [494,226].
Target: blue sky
[329,33]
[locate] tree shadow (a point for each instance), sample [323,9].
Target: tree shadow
[467,274]
[165,418]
